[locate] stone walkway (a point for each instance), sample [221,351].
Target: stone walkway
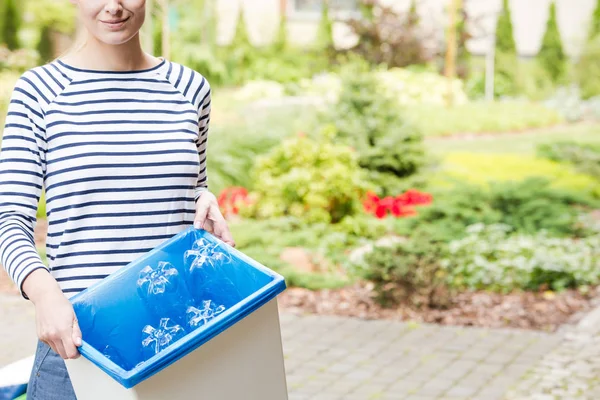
[571,371]
[350,359]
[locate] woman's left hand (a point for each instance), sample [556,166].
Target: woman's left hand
[209,218]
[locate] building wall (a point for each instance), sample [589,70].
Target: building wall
[529,21]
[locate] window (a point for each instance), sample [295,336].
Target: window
[314,6]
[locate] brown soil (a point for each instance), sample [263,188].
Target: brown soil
[536,311]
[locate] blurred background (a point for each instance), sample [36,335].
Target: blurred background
[432,161]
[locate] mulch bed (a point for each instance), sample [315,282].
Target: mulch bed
[534,311]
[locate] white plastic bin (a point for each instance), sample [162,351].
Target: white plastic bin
[235,355]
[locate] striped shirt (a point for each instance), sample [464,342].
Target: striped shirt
[122,159]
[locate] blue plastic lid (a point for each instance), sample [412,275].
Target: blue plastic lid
[173,299]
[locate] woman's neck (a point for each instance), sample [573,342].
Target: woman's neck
[97,55]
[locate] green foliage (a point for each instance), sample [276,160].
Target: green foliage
[409,272]
[45,47]
[527,206]
[481,117]
[234,147]
[585,157]
[11,24]
[463,56]
[450,213]
[595,25]
[505,41]
[314,179]
[281,39]
[492,258]
[325,30]
[265,240]
[587,70]
[388,147]
[532,205]
[59,15]
[551,55]
[513,78]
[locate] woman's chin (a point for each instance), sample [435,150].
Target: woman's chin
[116,38]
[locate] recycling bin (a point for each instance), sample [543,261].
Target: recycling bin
[192,319]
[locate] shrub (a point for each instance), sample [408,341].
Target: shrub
[315,179]
[10,24]
[386,36]
[388,147]
[408,272]
[453,210]
[595,25]
[587,70]
[266,239]
[45,47]
[527,206]
[325,29]
[484,168]
[505,41]
[418,88]
[552,56]
[585,157]
[492,258]
[532,205]
[234,146]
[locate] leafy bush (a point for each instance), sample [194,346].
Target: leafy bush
[234,146]
[407,87]
[317,180]
[485,168]
[481,117]
[595,25]
[552,56]
[45,47]
[492,258]
[585,157]
[527,206]
[505,41]
[513,78]
[532,205]
[453,210]
[10,23]
[408,272]
[587,70]
[568,102]
[388,147]
[423,87]
[265,240]
[387,36]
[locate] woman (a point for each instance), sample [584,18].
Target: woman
[118,139]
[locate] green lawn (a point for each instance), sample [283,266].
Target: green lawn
[525,143]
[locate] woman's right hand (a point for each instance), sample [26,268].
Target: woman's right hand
[55,318]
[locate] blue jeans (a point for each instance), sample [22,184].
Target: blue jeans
[49,378]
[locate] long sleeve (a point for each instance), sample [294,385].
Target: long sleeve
[22,161]
[201,144]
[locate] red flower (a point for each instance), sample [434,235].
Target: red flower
[381,211]
[230,198]
[402,205]
[371,202]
